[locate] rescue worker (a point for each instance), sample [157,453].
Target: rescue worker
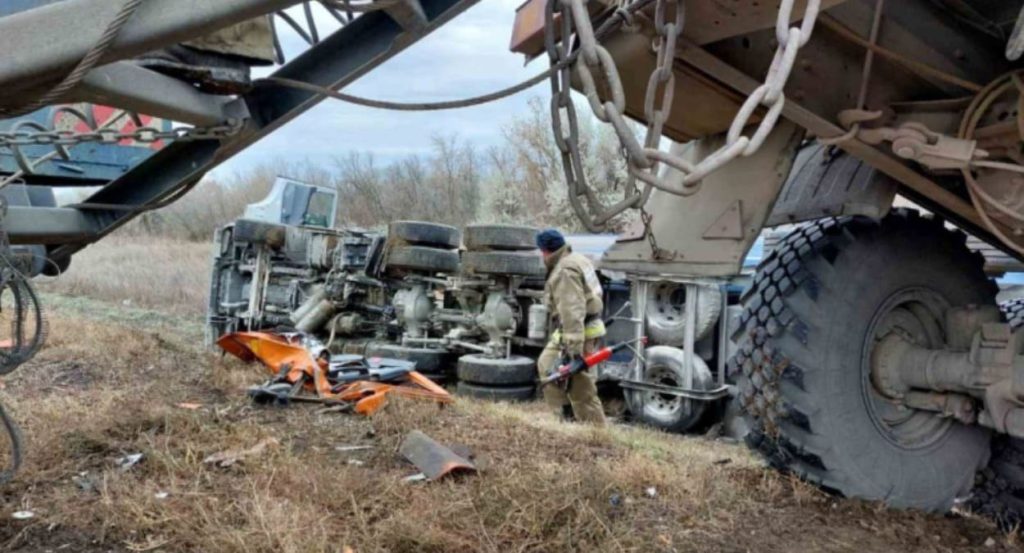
[573,297]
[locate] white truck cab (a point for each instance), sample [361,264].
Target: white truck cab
[295,203]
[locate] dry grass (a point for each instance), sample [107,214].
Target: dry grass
[141,271]
[99,391]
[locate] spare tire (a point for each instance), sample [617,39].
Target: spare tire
[478,369]
[425,234]
[666,312]
[665,365]
[421,258]
[496,393]
[528,264]
[500,237]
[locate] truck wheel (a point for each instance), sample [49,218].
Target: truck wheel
[999,488]
[421,258]
[478,369]
[425,234]
[496,393]
[665,365]
[1013,310]
[816,308]
[435,364]
[666,312]
[500,237]
[503,263]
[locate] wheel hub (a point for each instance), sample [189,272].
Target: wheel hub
[917,316]
[664,404]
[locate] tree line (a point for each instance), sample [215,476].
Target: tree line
[519,181]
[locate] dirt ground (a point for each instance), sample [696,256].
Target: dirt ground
[115,381]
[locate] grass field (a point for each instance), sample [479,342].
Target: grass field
[116,380]
[160,273]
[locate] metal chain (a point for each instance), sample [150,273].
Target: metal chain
[643,159]
[145,135]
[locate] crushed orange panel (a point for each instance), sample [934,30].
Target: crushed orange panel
[275,352]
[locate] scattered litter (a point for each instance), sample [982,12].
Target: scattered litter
[84,482]
[615,500]
[356,462]
[434,459]
[128,461]
[990,542]
[720,462]
[418,477]
[227,458]
[190,406]
[22,515]
[161,495]
[651,492]
[345,448]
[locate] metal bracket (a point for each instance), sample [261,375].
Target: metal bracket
[697,395]
[137,89]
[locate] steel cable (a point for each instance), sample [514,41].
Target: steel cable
[88,62]
[414,106]
[14,434]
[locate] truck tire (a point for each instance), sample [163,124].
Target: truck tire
[496,393]
[999,488]
[666,312]
[1013,310]
[421,258]
[425,234]
[503,263]
[435,364]
[810,319]
[670,413]
[500,237]
[516,370]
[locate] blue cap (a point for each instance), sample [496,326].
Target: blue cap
[550,240]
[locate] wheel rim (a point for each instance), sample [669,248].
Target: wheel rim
[916,314]
[669,303]
[664,405]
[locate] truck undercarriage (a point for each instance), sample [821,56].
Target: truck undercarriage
[871,357]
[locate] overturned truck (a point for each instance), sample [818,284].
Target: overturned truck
[465,306]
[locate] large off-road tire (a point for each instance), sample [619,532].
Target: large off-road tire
[511,371]
[500,237]
[496,393]
[666,312]
[811,318]
[422,258]
[1013,310]
[529,264]
[425,234]
[435,364]
[664,365]
[999,488]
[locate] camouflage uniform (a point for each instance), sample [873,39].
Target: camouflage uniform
[572,294]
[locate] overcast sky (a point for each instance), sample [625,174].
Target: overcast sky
[469,56]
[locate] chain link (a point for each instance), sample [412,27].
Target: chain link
[146,135]
[644,159]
